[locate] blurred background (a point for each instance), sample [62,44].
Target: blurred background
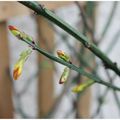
[37,93]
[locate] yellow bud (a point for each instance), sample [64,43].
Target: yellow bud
[64,75]
[61,54]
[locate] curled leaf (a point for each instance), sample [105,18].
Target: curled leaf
[81,87]
[64,75]
[17,70]
[19,34]
[19,64]
[61,54]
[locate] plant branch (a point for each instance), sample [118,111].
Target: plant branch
[39,9]
[71,66]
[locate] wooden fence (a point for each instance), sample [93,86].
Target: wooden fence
[45,86]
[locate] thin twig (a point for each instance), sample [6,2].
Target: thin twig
[115,39]
[110,18]
[82,13]
[114,92]
[102,97]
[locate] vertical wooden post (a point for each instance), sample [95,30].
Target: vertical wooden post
[45,83]
[6,106]
[85,100]
[84,104]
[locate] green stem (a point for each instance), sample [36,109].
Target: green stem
[39,9]
[71,66]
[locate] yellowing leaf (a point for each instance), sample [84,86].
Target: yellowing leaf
[19,64]
[81,87]
[17,70]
